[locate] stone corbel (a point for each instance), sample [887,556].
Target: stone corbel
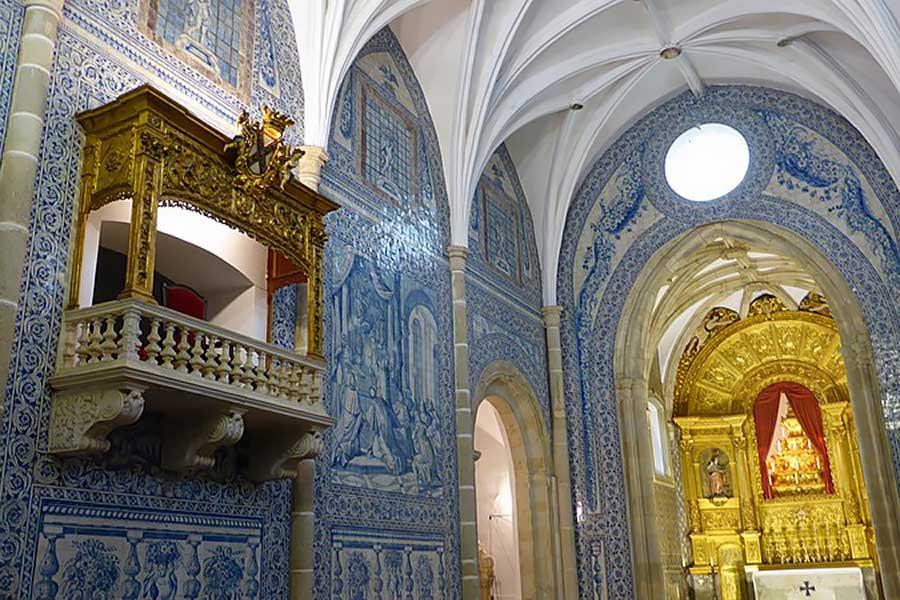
[81,420]
[278,458]
[191,447]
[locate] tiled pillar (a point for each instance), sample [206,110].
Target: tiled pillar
[20,157]
[560,439]
[309,167]
[468,527]
[309,172]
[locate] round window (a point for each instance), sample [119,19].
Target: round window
[707,161]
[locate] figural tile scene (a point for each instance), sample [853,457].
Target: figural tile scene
[449,299]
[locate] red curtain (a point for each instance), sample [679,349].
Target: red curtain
[806,408]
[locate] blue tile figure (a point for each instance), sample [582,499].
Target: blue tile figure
[385,486]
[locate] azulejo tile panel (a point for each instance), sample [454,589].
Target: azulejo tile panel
[112,515]
[811,173]
[386,515]
[503,293]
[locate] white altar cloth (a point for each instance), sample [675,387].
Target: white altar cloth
[809,584]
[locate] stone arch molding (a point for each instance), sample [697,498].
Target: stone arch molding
[816,193]
[503,386]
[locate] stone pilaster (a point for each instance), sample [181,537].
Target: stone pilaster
[309,167]
[20,157]
[560,438]
[465,421]
[303,519]
[309,172]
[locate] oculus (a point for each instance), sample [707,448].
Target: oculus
[707,161]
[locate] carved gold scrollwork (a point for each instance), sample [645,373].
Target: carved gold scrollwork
[146,147]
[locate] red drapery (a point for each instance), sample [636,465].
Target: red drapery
[806,408]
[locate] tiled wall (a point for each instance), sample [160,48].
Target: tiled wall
[386,508]
[118,527]
[503,280]
[811,173]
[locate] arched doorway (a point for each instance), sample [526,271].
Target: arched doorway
[513,486]
[647,321]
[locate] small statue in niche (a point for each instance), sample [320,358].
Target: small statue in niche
[716,474]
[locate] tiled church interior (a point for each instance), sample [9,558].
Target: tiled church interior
[449,299]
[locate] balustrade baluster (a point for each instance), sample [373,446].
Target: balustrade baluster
[287,379]
[262,380]
[223,372]
[82,350]
[305,384]
[168,346]
[296,381]
[237,369]
[209,367]
[108,346]
[276,378]
[197,355]
[182,357]
[94,347]
[152,349]
[131,334]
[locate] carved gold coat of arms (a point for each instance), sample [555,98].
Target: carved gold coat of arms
[263,158]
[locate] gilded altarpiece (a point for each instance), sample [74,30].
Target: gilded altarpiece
[733,524]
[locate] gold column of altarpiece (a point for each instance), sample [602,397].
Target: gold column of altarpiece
[149,149]
[720,374]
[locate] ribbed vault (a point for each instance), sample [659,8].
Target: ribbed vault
[510,71]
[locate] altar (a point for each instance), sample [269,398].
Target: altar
[815,584]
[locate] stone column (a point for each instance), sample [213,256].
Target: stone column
[18,166]
[303,518]
[309,167]
[303,522]
[560,440]
[465,421]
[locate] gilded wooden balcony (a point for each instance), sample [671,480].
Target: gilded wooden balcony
[212,386]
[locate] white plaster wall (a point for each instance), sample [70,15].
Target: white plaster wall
[495,485]
[236,296]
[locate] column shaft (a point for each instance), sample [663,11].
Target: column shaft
[560,439]
[18,166]
[303,520]
[303,530]
[465,421]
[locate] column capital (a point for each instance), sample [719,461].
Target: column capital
[55,6]
[458,257]
[552,315]
[309,167]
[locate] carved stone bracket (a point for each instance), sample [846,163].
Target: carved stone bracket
[81,420]
[192,446]
[277,458]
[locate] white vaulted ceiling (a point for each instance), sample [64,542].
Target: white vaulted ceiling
[497,71]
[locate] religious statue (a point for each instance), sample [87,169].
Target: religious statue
[716,470]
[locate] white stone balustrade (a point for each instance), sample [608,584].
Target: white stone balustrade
[213,386]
